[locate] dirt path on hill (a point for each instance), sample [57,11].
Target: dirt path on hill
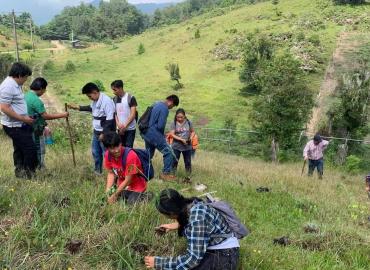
[52,104]
[345,43]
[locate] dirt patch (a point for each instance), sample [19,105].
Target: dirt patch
[74,246]
[201,121]
[345,43]
[141,248]
[7,223]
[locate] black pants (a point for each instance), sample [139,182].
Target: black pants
[222,259]
[132,197]
[187,159]
[128,138]
[25,151]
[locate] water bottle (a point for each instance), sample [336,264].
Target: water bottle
[48,138]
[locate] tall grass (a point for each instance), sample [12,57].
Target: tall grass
[39,218]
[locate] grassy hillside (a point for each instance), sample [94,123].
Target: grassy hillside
[39,218]
[211,91]
[7,40]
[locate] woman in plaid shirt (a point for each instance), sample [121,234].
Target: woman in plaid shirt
[211,244]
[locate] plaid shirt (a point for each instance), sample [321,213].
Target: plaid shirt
[315,152]
[204,222]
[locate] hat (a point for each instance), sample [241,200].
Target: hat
[317,138]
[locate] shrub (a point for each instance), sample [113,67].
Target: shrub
[353,164]
[70,67]
[197,34]
[27,46]
[314,39]
[100,85]
[301,36]
[2,44]
[141,49]
[6,61]
[49,64]
[174,71]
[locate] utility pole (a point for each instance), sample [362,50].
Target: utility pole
[33,43]
[15,37]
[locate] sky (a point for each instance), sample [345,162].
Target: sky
[43,11]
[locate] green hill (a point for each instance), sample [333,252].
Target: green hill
[307,28]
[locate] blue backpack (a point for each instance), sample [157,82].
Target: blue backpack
[146,162]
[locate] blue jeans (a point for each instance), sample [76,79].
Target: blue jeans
[156,140]
[319,164]
[98,150]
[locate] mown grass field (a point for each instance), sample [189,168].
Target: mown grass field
[211,92]
[39,218]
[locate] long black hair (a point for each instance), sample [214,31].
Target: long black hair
[172,203]
[182,111]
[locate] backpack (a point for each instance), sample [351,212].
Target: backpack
[238,229]
[143,122]
[146,162]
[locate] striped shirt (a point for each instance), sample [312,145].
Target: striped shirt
[204,224]
[11,94]
[315,152]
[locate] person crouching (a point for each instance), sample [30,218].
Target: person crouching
[131,185]
[211,244]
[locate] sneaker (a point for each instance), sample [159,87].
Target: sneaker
[167,177]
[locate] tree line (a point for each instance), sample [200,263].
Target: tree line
[118,18]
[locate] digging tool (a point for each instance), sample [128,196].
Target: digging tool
[304,165]
[70,136]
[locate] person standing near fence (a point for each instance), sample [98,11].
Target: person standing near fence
[126,113]
[16,122]
[181,131]
[102,109]
[314,153]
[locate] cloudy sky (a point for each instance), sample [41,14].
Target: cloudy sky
[43,11]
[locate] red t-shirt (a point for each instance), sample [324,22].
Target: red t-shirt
[133,167]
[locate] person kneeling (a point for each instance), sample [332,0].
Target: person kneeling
[131,184]
[211,242]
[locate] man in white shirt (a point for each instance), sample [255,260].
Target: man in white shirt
[126,113]
[16,122]
[314,153]
[102,109]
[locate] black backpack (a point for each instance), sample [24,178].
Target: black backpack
[143,122]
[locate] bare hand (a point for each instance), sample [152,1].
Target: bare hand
[73,106]
[101,137]
[112,199]
[149,261]
[121,128]
[66,114]
[183,141]
[28,120]
[305,158]
[170,227]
